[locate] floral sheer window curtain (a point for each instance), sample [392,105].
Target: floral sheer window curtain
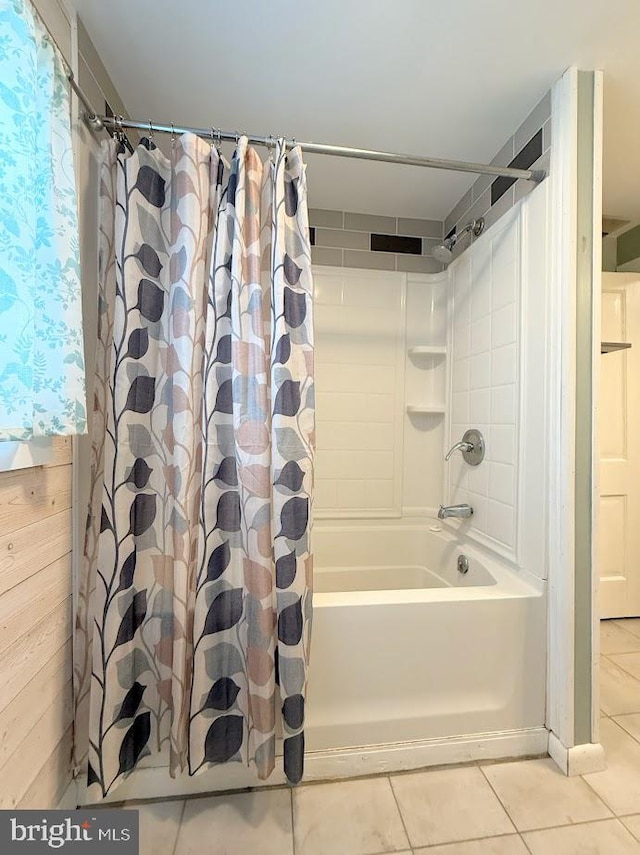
[41,346]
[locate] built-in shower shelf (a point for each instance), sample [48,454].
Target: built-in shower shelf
[425,409]
[427,350]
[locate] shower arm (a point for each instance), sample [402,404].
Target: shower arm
[476,226]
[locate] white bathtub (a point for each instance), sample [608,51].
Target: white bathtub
[412,663]
[405,648]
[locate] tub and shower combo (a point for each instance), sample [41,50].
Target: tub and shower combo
[429,631]
[429,634]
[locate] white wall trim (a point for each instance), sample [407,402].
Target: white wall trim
[343,763]
[598,122]
[561,712]
[579,760]
[561,427]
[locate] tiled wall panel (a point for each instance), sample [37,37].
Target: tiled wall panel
[359,334]
[345,239]
[485,379]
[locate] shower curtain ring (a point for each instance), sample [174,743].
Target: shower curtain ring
[150,130]
[271,144]
[173,134]
[119,129]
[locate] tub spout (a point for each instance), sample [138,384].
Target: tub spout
[459,511]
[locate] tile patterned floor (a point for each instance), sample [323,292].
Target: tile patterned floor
[516,808]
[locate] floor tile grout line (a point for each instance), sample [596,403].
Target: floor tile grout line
[576,825]
[618,665]
[598,796]
[378,776]
[572,824]
[617,622]
[602,798]
[399,809]
[613,719]
[504,807]
[611,653]
[524,843]
[621,715]
[635,836]
[182,813]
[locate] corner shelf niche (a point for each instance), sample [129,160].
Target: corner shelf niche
[426,409]
[428,350]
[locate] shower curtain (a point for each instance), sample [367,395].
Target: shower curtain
[194,609]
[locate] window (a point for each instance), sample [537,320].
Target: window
[41,345]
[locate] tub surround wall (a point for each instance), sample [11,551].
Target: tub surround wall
[346,239]
[407,363]
[498,381]
[425,393]
[381,368]
[485,379]
[528,148]
[359,334]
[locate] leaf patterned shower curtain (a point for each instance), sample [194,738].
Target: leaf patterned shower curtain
[194,612]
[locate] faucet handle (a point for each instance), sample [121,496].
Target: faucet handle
[459,446]
[472,447]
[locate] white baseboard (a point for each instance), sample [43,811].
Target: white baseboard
[154,782]
[69,800]
[578,760]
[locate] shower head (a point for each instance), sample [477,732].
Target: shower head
[444,251]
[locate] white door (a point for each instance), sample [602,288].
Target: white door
[619,445]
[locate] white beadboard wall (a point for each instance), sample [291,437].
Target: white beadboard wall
[359,337]
[498,357]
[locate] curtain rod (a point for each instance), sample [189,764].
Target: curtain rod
[98,123]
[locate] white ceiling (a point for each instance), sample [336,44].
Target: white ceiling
[443,78]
